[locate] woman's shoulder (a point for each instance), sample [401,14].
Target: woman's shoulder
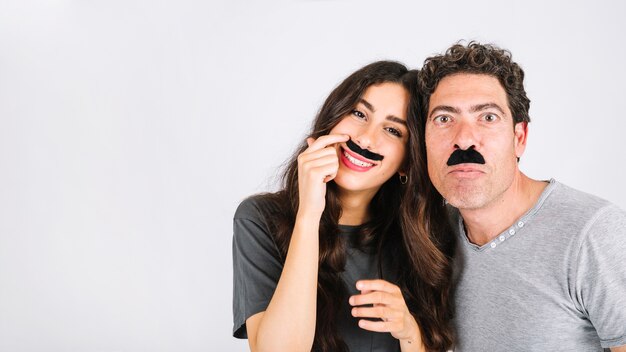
[257,207]
[258,220]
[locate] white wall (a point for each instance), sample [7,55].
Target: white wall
[130,130]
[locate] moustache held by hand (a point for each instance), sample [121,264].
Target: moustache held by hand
[363,152]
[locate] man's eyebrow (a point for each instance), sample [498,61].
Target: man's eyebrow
[367,104]
[444,108]
[486,106]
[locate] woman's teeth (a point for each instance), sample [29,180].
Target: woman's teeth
[356,161]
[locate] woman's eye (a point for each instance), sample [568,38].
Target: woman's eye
[394,131]
[358,114]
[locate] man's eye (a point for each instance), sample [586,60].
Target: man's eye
[358,114]
[490,117]
[442,119]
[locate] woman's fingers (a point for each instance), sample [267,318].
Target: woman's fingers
[381,312]
[377,292]
[317,165]
[377,326]
[377,285]
[326,172]
[383,301]
[310,156]
[319,159]
[325,141]
[374,297]
[320,152]
[321,164]
[379,299]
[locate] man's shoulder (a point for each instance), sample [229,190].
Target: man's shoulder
[568,196]
[564,198]
[576,206]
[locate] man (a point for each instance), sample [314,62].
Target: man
[539,266]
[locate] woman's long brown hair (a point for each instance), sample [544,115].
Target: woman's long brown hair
[407,220]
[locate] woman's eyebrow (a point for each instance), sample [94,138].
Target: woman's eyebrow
[396,119]
[367,104]
[392,118]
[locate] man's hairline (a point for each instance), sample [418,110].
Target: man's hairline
[460,72]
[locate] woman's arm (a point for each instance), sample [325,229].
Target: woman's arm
[388,306]
[288,323]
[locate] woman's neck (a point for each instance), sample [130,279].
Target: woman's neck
[355,207]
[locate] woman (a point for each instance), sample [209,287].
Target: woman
[352,253]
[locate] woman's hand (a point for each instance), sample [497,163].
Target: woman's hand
[295,297]
[317,165]
[388,306]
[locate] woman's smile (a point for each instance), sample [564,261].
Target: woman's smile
[354,161]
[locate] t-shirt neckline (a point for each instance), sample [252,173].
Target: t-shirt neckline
[512,230]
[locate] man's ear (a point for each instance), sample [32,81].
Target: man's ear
[521,135]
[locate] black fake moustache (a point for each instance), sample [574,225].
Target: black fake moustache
[363,152]
[469,155]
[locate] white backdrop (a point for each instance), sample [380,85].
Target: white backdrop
[130,130]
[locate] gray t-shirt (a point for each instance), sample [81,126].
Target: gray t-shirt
[257,268]
[554,281]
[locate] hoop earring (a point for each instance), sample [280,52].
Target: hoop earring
[404,179]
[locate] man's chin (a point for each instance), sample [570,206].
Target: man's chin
[467,200]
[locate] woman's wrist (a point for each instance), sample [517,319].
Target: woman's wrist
[308,218]
[413,339]
[413,343]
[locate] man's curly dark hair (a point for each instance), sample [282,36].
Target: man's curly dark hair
[477,58]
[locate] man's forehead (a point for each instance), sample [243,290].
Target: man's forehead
[468,89]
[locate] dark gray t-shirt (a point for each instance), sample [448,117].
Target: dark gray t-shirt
[257,268]
[555,280]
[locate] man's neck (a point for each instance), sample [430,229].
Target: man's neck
[484,224]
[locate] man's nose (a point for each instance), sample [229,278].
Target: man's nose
[466,136]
